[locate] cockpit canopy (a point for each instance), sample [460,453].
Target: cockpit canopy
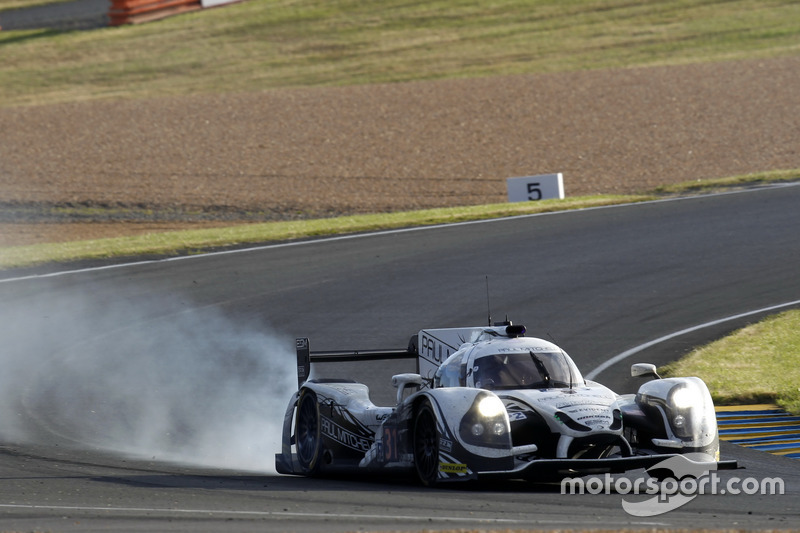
[509,365]
[522,370]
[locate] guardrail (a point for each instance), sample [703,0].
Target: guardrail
[137,11]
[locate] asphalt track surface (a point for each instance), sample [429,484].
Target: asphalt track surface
[598,281]
[75,15]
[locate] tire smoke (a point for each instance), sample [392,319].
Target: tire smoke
[143,375]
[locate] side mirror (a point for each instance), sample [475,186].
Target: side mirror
[644,370]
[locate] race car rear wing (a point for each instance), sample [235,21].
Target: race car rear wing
[430,347]
[305,357]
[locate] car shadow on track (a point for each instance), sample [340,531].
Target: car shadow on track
[280,483]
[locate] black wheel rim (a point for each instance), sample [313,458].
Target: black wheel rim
[426,447]
[307,432]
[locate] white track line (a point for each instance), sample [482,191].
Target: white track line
[384,232]
[624,355]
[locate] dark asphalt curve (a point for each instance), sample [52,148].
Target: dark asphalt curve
[150,395]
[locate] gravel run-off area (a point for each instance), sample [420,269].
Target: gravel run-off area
[123,167]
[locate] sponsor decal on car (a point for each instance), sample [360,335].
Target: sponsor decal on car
[453,468]
[344,437]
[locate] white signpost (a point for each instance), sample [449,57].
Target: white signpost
[532,188]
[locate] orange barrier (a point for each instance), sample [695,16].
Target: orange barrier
[136,11]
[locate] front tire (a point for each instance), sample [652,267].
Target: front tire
[426,446]
[307,433]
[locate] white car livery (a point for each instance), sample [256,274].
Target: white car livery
[490,402]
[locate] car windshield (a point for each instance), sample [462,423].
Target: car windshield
[522,370]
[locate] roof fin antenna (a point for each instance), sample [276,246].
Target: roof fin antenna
[488,304]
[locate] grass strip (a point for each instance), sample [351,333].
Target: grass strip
[733,182]
[195,241]
[759,363]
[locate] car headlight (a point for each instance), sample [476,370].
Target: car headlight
[486,423]
[683,397]
[688,408]
[491,406]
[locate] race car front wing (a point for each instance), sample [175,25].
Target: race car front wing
[547,468]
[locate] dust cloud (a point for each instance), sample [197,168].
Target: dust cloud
[145,374]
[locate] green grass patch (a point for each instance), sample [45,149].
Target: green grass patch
[735,182]
[261,44]
[195,241]
[758,363]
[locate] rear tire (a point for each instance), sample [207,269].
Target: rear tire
[426,446]
[307,433]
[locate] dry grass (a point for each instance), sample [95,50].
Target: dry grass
[260,44]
